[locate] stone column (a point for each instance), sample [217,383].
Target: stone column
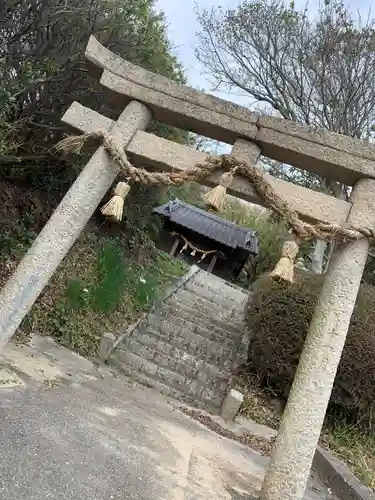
[304,414]
[64,226]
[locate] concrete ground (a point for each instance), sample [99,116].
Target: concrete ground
[71,431]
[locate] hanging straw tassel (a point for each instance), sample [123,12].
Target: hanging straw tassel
[284,268]
[115,206]
[215,198]
[75,143]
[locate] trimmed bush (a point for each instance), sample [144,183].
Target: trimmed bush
[278,316]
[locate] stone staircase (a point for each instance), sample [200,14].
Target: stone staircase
[191,342]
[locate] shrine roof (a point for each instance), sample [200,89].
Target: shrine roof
[209,225]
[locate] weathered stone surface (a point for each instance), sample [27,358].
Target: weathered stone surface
[339,142]
[305,411]
[136,362]
[177,359]
[180,352]
[212,328]
[179,113]
[321,159]
[149,339]
[219,288]
[106,342]
[151,151]
[212,295]
[169,377]
[85,119]
[328,154]
[105,59]
[64,226]
[336,474]
[208,299]
[231,405]
[175,365]
[142,350]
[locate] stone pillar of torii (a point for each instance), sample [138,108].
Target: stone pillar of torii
[143,96]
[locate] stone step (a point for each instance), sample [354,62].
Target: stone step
[212,391]
[210,286]
[148,346]
[169,391]
[211,304]
[211,332]
[150,381]
[227,328]
[215,282]
[189,345]
[193,342]
[210,307]
[228,337]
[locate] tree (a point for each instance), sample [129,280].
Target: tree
[42,66]
[43,70]
[318,71]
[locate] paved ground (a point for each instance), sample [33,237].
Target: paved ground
[69,431]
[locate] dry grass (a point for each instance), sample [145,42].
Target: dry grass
[81,327]
[356,447]
[352,444]
[88,294]
[258,405]
[263,446]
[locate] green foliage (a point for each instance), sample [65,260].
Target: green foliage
[42,71]
[190,192]
[98,288]
[111,278]
[75,294]
[356,446]
[279,315]
[16,240]
[271,235]
[115,275]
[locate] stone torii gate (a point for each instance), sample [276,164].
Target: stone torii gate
[142,96]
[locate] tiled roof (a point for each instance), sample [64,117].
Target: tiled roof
[209,225]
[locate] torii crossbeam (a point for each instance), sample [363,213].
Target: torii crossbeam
[141,96]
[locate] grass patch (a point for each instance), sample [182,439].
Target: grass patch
[97,289]
[112,272]
[351,443]
[109,277]
[355,446]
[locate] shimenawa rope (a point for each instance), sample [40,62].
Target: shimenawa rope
[303,231]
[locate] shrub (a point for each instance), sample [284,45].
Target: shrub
[270,231]
[278,316]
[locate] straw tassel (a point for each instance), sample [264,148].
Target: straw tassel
[74,143]
[115,206]
[284,268]
[215,198]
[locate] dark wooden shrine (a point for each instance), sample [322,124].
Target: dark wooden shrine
[203,238]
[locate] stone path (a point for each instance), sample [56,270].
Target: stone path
[70,431]
[190,344]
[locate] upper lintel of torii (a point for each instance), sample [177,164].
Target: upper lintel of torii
[328,154]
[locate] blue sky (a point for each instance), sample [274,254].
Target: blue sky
[182,26]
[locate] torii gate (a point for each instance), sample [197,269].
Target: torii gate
[143,95]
